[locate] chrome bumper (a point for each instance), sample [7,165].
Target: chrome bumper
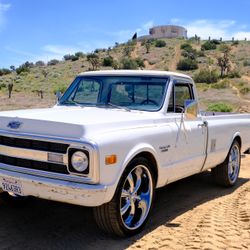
[59,190]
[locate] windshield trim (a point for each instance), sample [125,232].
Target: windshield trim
[75,84]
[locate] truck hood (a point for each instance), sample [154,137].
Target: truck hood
[73,122]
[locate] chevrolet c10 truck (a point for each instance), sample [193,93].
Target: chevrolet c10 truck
[112,139]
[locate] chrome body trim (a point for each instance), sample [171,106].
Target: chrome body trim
[59,190]
[30,154]
[94,170]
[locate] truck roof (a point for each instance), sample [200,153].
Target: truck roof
[133,73]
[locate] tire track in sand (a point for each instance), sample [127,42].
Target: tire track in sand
[225,224]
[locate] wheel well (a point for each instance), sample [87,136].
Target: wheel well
[152,160]
[238,139]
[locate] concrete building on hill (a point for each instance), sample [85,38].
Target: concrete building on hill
[165,31]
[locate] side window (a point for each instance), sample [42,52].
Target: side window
[180,93]
[87,92]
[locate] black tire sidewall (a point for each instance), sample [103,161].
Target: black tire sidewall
[227,162]
[131,165]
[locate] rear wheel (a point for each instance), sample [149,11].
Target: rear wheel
[226,174]
[128,211]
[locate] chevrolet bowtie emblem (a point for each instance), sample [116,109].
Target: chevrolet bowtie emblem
[14,124]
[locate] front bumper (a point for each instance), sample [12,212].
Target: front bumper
[59,190]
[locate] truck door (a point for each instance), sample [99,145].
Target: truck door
[189,153]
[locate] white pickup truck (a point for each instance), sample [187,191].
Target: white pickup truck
[112,139]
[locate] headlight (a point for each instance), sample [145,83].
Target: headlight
[79,161]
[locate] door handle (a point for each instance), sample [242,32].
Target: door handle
[202,125]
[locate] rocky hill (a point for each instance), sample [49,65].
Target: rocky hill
[197,58]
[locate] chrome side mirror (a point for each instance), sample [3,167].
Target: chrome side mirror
[191,109]
[58,95]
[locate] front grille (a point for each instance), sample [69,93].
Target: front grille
[38,165]
[34,144]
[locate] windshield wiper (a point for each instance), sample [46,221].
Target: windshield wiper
[74,102]
[118,107]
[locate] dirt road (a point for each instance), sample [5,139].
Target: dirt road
[190,214]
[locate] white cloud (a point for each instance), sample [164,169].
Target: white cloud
[146,26]
[3,9]
[242,35]
[214,28]
[124,35]
[59,50]
[175,21]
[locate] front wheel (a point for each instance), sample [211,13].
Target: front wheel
[128,211]
[226,174]
[10,198]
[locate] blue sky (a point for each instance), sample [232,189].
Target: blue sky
[32,30]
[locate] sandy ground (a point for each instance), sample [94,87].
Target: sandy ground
[190,214]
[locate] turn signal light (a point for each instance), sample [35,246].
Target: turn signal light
[110,159]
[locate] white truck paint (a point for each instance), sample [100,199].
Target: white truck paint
[178,148]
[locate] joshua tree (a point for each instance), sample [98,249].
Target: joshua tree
[224,61]
[147,46]
[10,88]
[12,67]
[93,59]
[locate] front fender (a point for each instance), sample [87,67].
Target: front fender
[136,150]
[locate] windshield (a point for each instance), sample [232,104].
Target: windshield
[140,93]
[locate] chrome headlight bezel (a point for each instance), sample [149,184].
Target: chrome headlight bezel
[73,167]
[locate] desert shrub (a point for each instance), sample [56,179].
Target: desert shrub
[74,58]
[68,57]
[61,88]
[187,64]
[208,45]
[188,51]
[2,85]
[140,62]
[79,54]
[100,50]
[22,69]
[221,85]
[235,43]
[200,53]
[129,63]
[246,63]
[145,41]
[40,63]
[219,107]
[4,71]
[108,61]
[115,64]
[234,74]
[192,54]
[160,43]
[186,46]
[244,90]
[215,41]
[206,76]
[29,64]
[53,62]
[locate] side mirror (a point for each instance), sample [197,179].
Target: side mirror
[191,109]
[58,95]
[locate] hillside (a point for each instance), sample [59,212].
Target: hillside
[234,91]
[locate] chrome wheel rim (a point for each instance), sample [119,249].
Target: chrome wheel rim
[136,197]
[234,163]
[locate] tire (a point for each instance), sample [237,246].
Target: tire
[6,198]
[226,174]
[127,213]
